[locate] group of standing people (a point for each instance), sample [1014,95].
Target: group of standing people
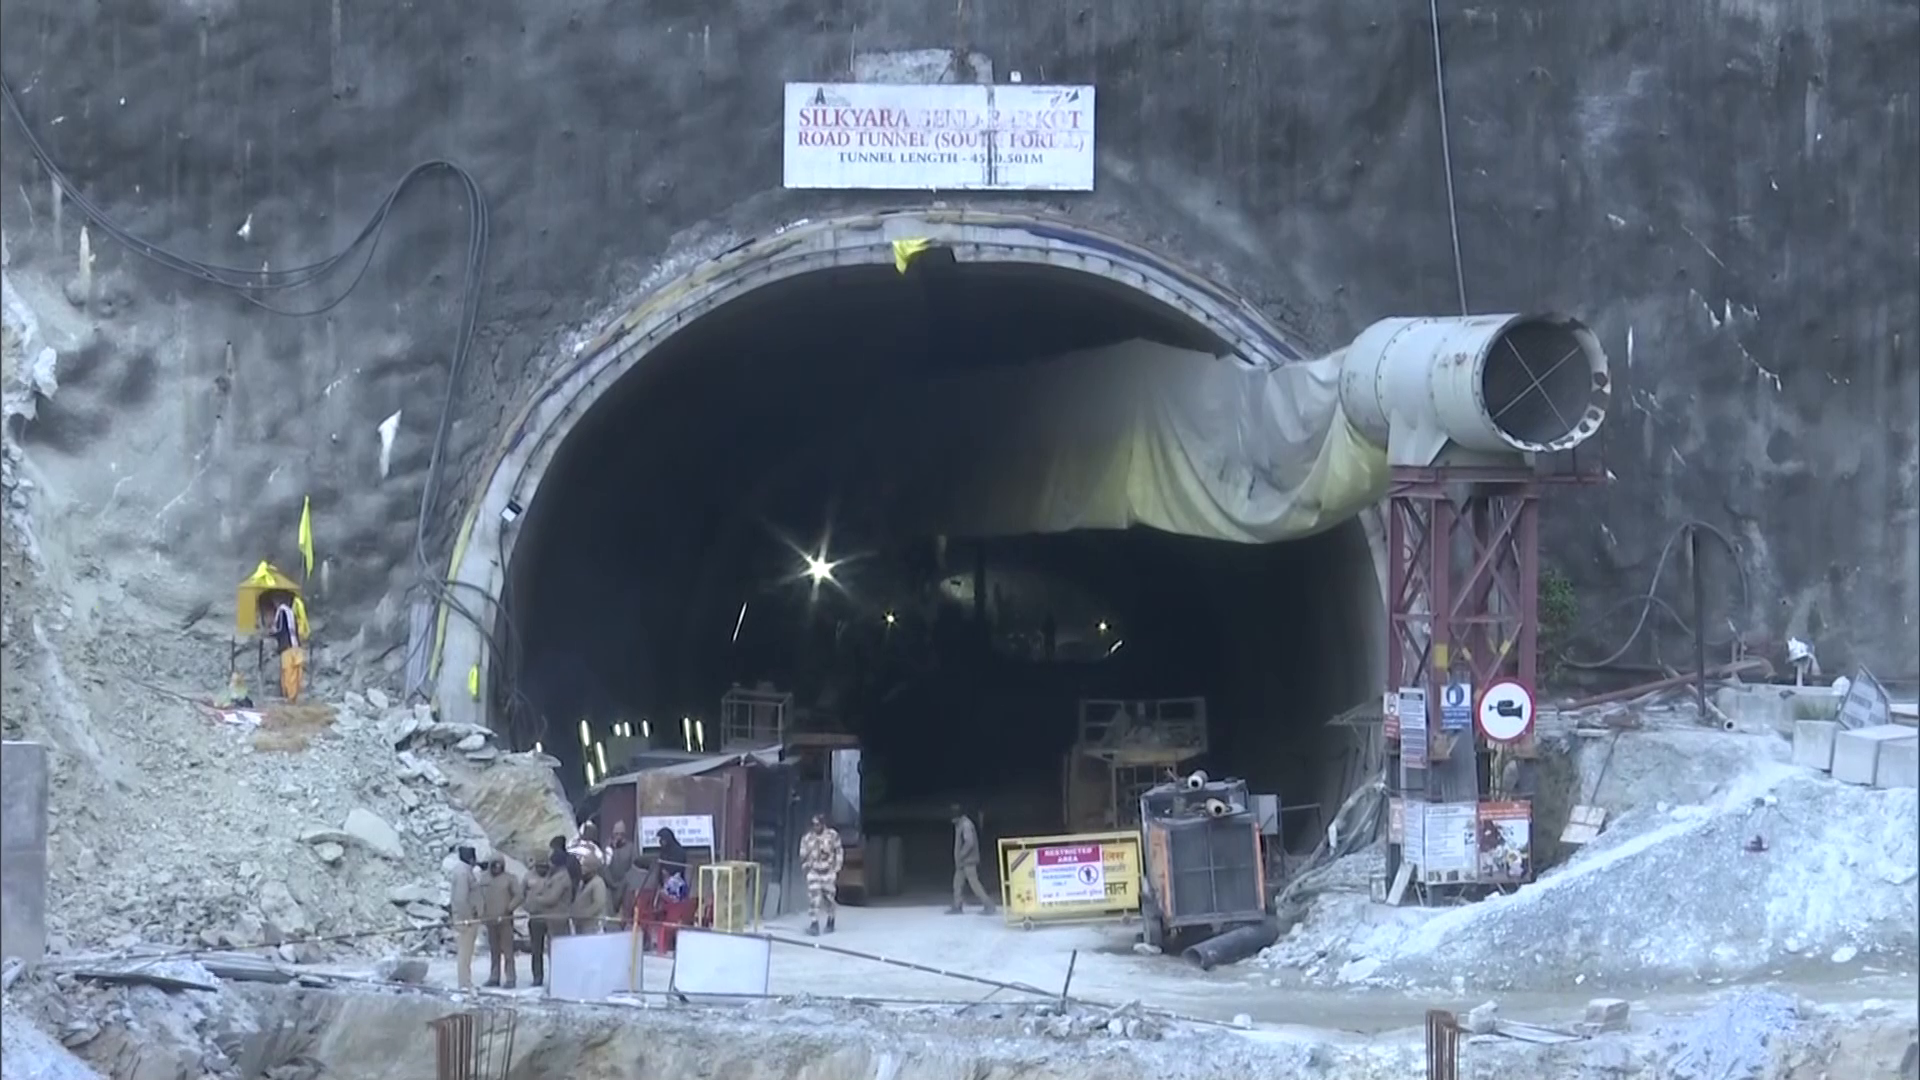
[583,888]
[577,888]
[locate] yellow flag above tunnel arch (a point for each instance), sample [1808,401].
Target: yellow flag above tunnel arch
[905,251]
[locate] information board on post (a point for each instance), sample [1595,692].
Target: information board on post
[1070,878]
[1413,729]
[1456,706]
[1413,828]
[948,137]
[1450,847]
[1505,842]
[1069,875]
[692,830]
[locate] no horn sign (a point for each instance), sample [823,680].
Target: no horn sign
[1505,711]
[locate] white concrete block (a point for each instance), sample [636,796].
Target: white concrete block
[1899,765]
[1813,743]
[1856,754]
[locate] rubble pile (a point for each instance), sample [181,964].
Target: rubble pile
[1782,866]
[1126,1021]
[32,1054]
[238,846]
[138,1029]
[1737,1036]
[1340,928]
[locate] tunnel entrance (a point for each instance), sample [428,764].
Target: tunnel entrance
[742,509]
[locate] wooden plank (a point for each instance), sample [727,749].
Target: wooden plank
[1401,879]
[1584,824]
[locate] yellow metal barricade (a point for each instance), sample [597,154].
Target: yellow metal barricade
[1077,878]
[732,892]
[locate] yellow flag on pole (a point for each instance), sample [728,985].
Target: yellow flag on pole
[306,534]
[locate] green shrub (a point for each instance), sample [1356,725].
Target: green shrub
[1559,608]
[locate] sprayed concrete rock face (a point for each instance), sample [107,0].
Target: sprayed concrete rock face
[517,802]
[1603,165]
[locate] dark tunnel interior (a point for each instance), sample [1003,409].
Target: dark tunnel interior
[663,561]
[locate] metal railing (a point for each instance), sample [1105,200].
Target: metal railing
[474,1045]
[1443,1045]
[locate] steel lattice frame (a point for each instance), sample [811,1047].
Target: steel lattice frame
[1463,575]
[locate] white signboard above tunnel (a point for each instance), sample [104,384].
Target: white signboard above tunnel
[883,137]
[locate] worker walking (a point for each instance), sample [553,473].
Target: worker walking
[463,910]
[966,863]
[549,903]
[821,856]
[500,896]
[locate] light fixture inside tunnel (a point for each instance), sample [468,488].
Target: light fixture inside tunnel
[600,755]
[818,569]
[890,618]
[586,734]
[1102,629]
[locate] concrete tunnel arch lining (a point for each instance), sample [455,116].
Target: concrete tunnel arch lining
[485,544]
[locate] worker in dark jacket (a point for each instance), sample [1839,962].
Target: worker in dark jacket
[619,857]
[500,897]
[549,911]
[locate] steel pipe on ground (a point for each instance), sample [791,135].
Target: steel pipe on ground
[1233,946]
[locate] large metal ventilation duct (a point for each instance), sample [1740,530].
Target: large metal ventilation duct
[1494,386]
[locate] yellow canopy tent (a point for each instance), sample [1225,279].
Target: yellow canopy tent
[266,578]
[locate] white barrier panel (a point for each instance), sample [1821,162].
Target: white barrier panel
[591,967]
[705,962]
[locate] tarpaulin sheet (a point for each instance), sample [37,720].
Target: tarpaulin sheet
[1137,433]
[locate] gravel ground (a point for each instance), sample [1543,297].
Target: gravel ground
[1672,894]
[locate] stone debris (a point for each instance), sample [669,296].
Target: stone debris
[367,828]
[240,847]
[1605,1014]
[1833,878]
[1731,1039]
[1077,1022]
[410,970]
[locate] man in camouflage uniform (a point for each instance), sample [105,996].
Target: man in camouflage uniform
[821,856]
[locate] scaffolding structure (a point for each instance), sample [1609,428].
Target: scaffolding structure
[753,719]
[1124,748]
[1463,586]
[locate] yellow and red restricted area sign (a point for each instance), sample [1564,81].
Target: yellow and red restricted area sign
[1086,876]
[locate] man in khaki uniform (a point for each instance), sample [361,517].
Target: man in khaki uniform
[500,896]
[590,905]
[966,863]
[549,902]
[463,911]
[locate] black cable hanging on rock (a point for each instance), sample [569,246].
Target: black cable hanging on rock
[252,285]
[1446,154]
